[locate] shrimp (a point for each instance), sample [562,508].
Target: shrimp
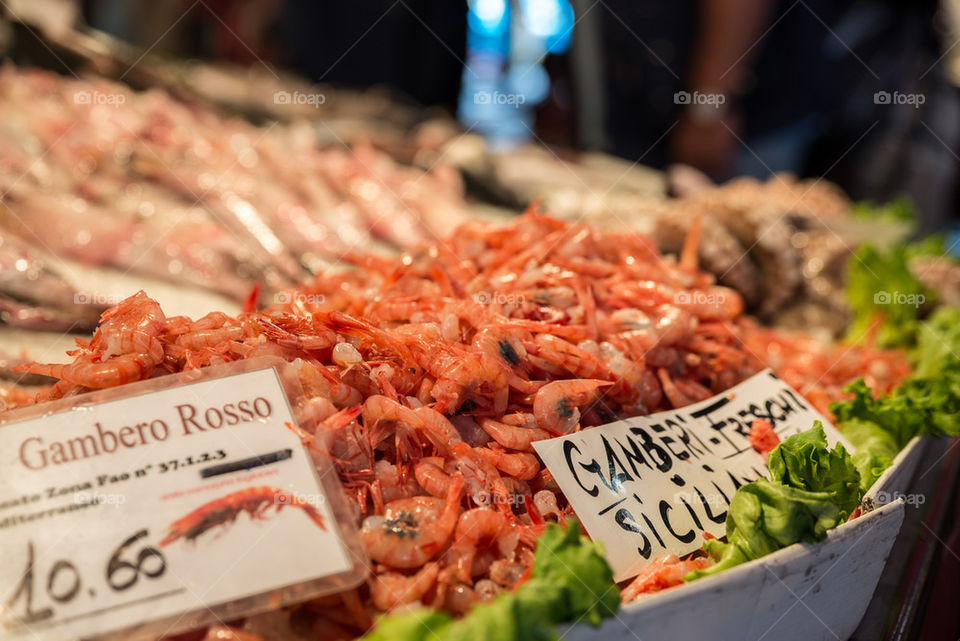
[440,431]
[556,404]
[508,350]
[378,409]
[483,481]
[681,393]
[412,531]
[712,304]
[124,348]
[481,532]
[507,573]
[513,437]
[665,572]
[460,598]
[131,327]
[459,375]
[303,336]
[521,465]
[575,360]
[255,501]
[390,590]
[431,478]
[391,483]
[545,503]
[762,436]
[87,370]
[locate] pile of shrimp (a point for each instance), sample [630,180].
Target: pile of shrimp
[430,376]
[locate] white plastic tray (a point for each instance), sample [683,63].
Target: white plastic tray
[803,592]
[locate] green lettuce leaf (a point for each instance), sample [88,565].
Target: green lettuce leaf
[565,558]
[803,461]
[900,208]
[938,344]
[811,489]
[880,284]
[422,624]
[874,450]
[766,516]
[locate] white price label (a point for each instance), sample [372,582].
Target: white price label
[651,485]
[147,507]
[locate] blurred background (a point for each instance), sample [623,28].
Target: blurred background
[206,145]
[863,92]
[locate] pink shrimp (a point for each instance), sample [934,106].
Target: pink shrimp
[131,327]
[665,572]
[431,478]
[406,422]
[482,535]
[512,436]
[412,531]
[521,465]
[88,371]
[124,348]
[569,357]
[508,350]
[545,503]
[391,590]
[556,404]
[302,336]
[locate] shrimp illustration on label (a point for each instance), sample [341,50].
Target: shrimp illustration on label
[255,501]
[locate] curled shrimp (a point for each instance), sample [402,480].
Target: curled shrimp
[412,531]
[391,590]
[482,535]
[378,410]
[431,478]
[556,404]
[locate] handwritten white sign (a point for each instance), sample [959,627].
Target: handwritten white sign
[650,485]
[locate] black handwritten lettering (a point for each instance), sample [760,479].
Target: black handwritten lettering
[569,447]
[625,520]
[665,508]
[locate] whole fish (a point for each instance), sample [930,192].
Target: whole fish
[34,296]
